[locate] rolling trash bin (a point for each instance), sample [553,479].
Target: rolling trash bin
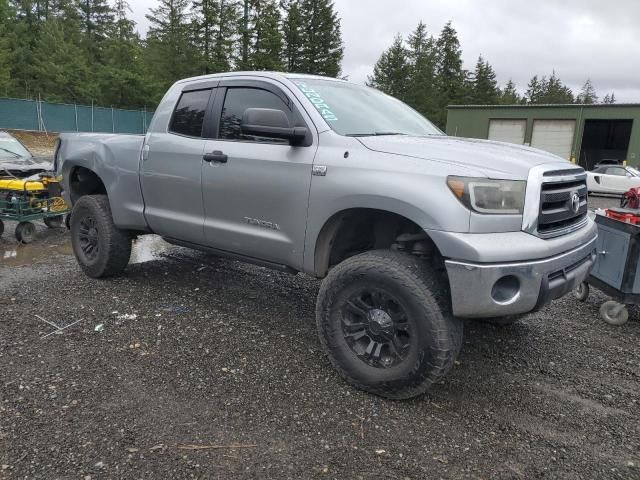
[617,268]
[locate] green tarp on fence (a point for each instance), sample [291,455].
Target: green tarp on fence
[54,117]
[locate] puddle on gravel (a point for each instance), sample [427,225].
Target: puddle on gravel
[148,248]
[14,254]
[49,245]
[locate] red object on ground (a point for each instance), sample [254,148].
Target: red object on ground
[631,198]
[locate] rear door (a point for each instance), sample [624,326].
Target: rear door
[256,200]
[171,172]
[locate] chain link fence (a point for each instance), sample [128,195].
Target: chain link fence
[42,116]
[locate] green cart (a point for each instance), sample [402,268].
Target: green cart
[26,206]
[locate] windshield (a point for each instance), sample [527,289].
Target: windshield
[11,148]
[633,171]
[355,110]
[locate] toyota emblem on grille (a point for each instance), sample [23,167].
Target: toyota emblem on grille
[575,203]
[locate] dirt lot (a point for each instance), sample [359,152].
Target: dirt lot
[195,350]
[39,144]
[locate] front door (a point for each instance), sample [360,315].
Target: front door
[171,172]
[256,190]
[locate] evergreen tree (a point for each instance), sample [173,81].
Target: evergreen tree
[292,30]
[609,98]
[261,40]
[20,37]
[534,90]
[555,92]
[265,46]
[484,87]
[391,71]
[322,49]
[217,26]
[61,71]
[5,49]
[422,91]
[96,17]
[122,80]
[450,76]
[509,95]
[587,95]
[245,32]
[170,54]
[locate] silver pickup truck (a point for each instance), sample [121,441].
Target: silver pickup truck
[410,230]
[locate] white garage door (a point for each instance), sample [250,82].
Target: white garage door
[510,131]
[554,136]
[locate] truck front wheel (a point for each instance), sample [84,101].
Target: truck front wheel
[384,320]
[102,250]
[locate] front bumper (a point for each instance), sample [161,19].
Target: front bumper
[499,289]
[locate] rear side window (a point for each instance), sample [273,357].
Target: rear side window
[188,118]
[237,101]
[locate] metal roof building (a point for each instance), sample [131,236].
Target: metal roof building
[584,134]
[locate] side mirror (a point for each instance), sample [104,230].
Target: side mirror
[271,123]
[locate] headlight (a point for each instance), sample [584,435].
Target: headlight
[491,197]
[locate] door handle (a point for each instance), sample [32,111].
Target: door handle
[216,156]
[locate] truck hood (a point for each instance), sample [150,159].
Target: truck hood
[493,159]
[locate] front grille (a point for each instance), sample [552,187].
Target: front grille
[557,214]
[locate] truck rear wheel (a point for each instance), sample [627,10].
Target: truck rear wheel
[385,322]
[102,250]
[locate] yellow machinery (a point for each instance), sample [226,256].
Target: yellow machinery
[25,200]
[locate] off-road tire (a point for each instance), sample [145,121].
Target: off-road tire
[113,244]
[423,295]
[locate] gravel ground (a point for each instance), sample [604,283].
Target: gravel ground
[194,350]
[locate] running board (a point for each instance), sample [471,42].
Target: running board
[232,256]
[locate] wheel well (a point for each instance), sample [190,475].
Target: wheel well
[83,181]
[359,230]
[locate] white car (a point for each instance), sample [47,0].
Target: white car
[613,179]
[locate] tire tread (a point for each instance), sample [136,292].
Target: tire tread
[420,280]
[117,243]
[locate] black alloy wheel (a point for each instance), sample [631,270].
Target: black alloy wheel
[376,328]
[88,236]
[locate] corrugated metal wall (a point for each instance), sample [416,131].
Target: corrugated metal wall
[53,117]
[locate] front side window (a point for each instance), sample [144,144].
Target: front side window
[188,118]
[355,110]
[237,101]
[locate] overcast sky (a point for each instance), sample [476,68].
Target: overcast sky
[578,38]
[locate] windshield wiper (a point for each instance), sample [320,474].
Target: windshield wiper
[374,134]
[17,155]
